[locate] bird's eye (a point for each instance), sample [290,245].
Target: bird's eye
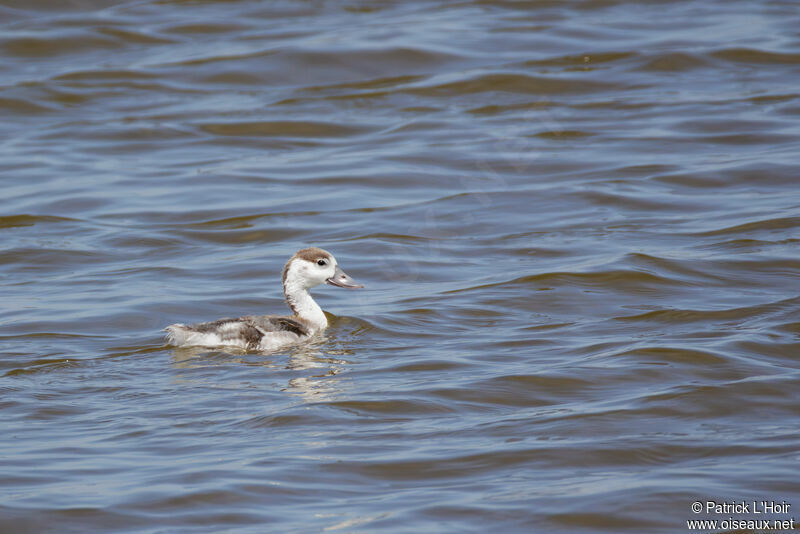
[322,263]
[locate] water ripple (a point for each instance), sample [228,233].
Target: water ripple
[576,223]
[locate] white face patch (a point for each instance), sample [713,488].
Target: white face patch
[308,268]
[317,271]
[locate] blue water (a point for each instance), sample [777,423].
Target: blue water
[577,223]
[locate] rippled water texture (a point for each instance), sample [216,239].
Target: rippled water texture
[577,222]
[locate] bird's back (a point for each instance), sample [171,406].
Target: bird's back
[252,332]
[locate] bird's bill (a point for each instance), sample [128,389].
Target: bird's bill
[342,279]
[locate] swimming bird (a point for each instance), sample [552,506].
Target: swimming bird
[308,268]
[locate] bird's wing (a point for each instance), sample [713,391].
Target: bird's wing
[277,323]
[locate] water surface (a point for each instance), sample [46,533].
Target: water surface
[577,223]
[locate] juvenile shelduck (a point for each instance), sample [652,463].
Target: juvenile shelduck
[308,268]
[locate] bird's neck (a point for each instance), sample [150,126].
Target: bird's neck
[299,300]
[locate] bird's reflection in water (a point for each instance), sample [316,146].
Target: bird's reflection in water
[319,381]
[312,372]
